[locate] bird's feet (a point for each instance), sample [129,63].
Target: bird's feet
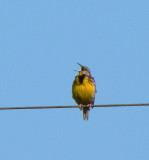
[81,107]
[91,105]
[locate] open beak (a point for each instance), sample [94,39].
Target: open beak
[79,64]
[77,70]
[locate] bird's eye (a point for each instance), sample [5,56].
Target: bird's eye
[84,68]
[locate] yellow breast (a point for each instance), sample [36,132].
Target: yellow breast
[84,93]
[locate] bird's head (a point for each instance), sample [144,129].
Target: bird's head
[84,70]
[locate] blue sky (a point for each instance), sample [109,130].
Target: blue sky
[40,45]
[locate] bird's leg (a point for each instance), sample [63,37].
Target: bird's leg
[91,105]
[81,107]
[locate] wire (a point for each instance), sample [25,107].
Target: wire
[54,107]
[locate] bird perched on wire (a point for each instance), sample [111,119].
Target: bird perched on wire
[84,90]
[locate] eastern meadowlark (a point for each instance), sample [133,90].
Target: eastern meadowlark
[84,90]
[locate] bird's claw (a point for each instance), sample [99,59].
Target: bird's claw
[91,105]
[81,107]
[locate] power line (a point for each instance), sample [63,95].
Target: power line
[54,107]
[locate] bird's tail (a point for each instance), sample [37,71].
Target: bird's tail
[85,113]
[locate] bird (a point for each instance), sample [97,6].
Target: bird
[84,90]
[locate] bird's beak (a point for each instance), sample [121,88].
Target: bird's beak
[77,70]
[79,64]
